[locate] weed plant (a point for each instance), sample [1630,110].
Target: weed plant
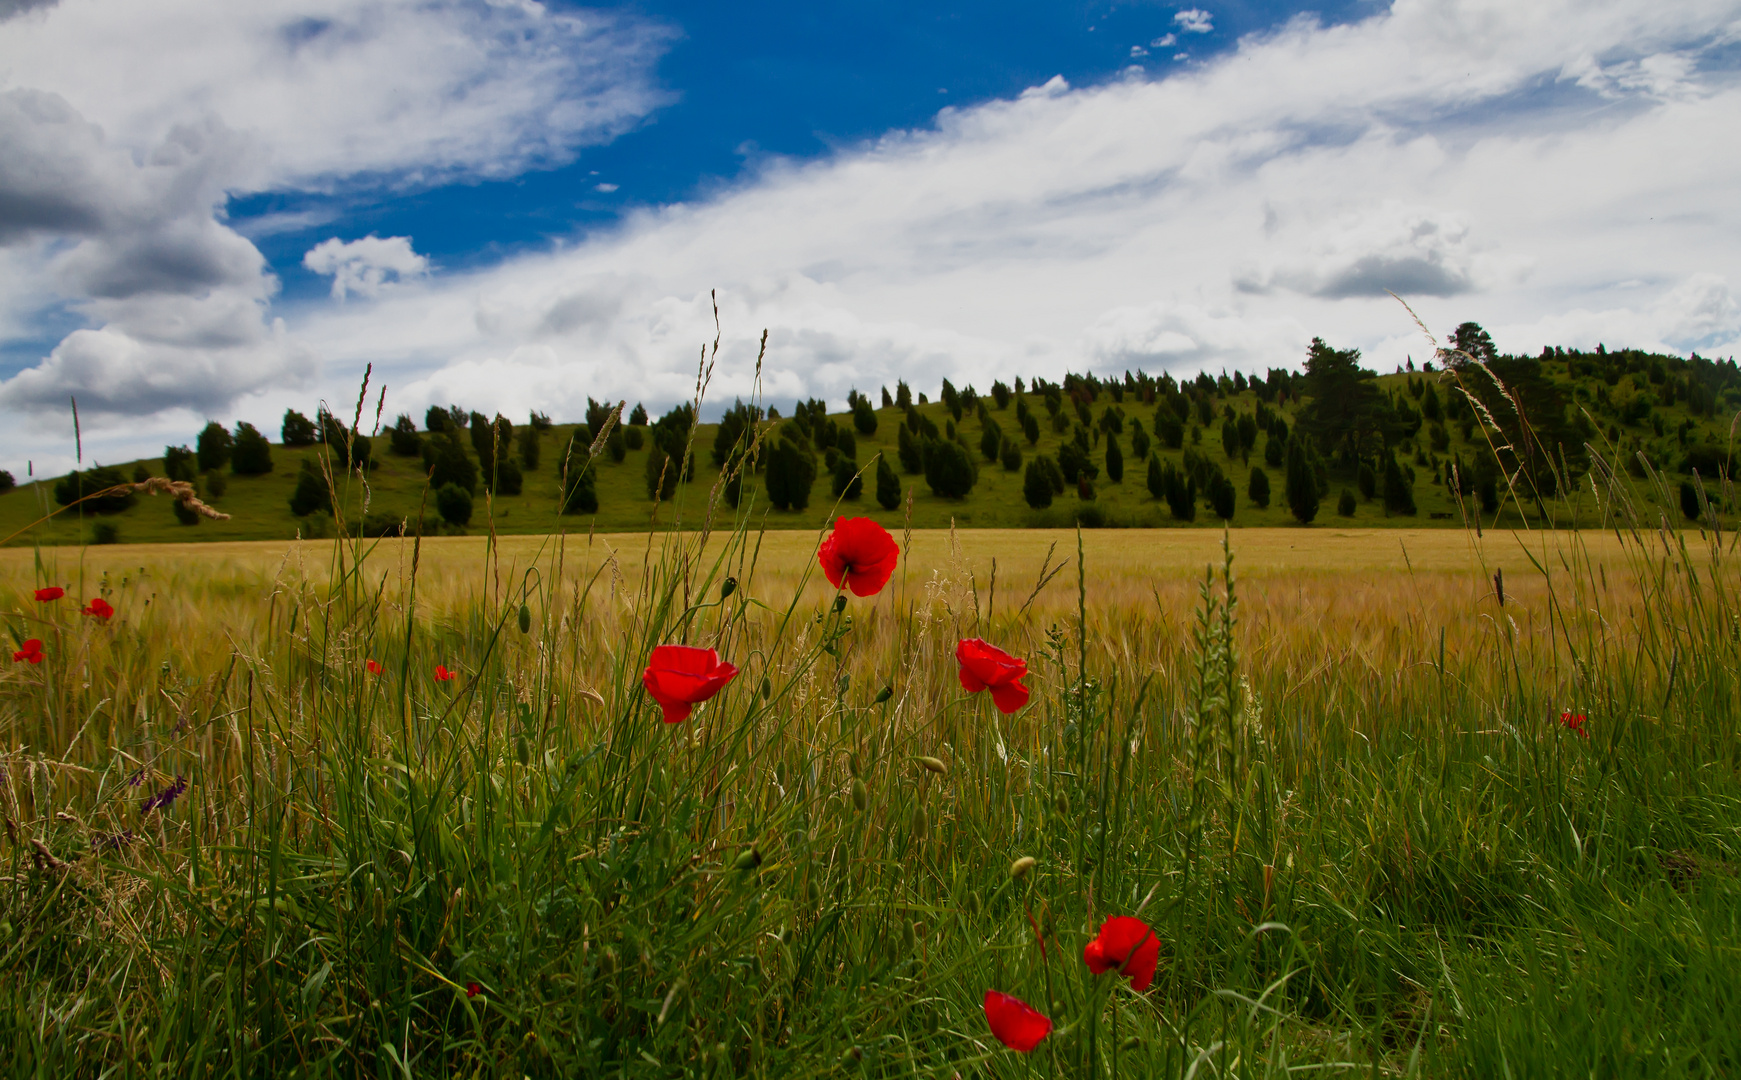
[290,849]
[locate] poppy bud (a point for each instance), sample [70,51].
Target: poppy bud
[767,688]
[380,908]
[607,961]
[851,1053]
[908,938]
[921,825]
[840,603]
[860,796]
[521,750]
[811,892]
[934,765]
[748,859]
[1021,866]
[525,619]
[1132,1043]
[885,694]
[727,587]
[852,763]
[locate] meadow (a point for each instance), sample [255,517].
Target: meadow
[1332,776]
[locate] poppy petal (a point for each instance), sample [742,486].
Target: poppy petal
[1124,944]
[1009,697]
[1015,1023]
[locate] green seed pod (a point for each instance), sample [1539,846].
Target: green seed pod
[1132,1043]
[727,587]
[748,859]
[921,823]
[885,694]
[860,796]
[522,750]
[812,893]
[934,765]
[767,688]
[1021,866]
[908,938]
[840,603]
[380,912]
[525,619]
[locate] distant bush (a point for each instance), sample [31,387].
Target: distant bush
[76,485]
[446,462]
[1258,489]
[213,447]
[311,493]
[454,504]
[949,470]
[1347,503]
[1012,456]
[7,481]
[1036,485]
[105,532]
[179,463]
[403,438]
[790,473]
[580,495]
[297,429]
[888,484]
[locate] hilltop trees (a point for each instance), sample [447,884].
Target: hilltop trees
[251,454]
[1301,486]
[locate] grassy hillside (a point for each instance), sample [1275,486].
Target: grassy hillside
[1670,409]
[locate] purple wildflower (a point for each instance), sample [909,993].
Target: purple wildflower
[137,777]
[164,799]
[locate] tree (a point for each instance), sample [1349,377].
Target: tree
[348,446]
[949,470]
[1221,496]
[252,454]
[864,418]
[1157,478]
[1347,407]
[403,439]
[1399,494]
[1367,481]
[1301,485]
[1030,428]
[1346,504]
[790,472]
[76,485]
[888,484]
[617,444]
[311,492]
[1114,459]
[1473,341]
[447,463]
[1139,442]
[845,480]
[1036,485]
[1258,489]
[437,419]
[1181,492]
[1690,501]
[297,429]
[903,395]
[991,440]
[909,451]
[180,463]
[506,479]
[1012,456]
[1168,428]
[735,432]
[1000,394]
[529,448]
[638,415]
[454,504]
[580,487]
[213,447]
[888,402]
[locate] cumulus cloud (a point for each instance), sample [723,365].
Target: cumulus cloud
[341,88]
[1505,163]
[1218,218]
[365,266]
[128,127]
[1194,21]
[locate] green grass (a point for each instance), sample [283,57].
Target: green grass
[259,506]
[1397,863]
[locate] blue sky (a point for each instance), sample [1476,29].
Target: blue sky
[212,210]
[793,80]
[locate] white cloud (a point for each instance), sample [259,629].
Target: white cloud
[605,188]
[1218,217]
[1163,41]
[1194,21]
[129,126]
[364,266]
[1137,52]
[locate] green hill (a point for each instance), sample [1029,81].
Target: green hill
[1348,424]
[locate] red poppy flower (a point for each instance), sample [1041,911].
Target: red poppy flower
[99,609]
[374,667]
[30,653]
[986,666]
[1014,1022]
[472,989]
[441,673]
[53,592]
[1575,721]
[859,555]
[679,677]
[1124,944]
